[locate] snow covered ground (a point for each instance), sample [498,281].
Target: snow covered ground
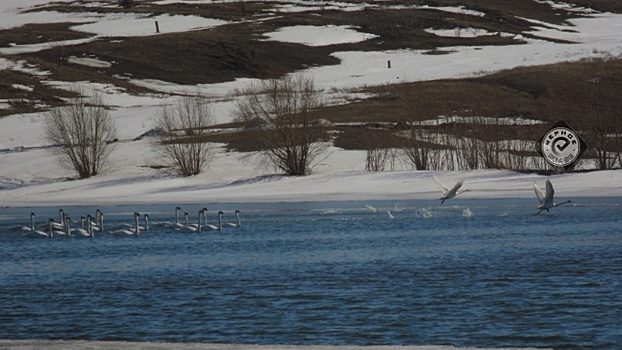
[30,176]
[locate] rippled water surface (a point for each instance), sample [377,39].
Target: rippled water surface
[484,273]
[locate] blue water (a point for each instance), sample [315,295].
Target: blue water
[494,275]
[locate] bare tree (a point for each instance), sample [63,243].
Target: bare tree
[83,132]
[292,134]
[183,127]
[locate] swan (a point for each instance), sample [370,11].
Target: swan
[546,199]
[235,224]
[175,224]
[214,227]
[98,225]
[145,227]
[135,231]
[32,223]
[89,222]
[41,234]
[146,218]
[449,193]
[58,229]
[60,225]
[193,227]
[84,232]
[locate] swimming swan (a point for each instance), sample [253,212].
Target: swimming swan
[214,227]
[60,225]
[58,229]
[193,227]
[175,224]
[546,199]
[32,223]
[41,234]
[238,223]
[98,225]
[142,228]
[85,232]
[449,193]
[135,231]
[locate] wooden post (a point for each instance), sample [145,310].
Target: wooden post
[389,64]
[157,27]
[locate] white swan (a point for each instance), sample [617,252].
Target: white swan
[238,223]
[98,225]
[546,199]
[41,234]
[129,231]
[449,193]
[191,228]
[89,222]
[214,227]
[142,228]
[60,225]
[175,224]
[58,229]
[32,223]
[84,232]
[146,218]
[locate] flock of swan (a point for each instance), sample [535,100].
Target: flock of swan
[545,197]
[88,225]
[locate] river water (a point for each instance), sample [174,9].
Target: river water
[484,273]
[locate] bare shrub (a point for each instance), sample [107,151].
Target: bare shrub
[376,159]
[83,132]
[292,137]
[516,154]
[593,109]
[468,153]
[183,127]
[416,152]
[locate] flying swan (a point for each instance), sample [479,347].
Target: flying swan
[546,199]
[449,193]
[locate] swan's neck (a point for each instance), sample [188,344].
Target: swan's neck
[68,230]
[89,223]
[136,226]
